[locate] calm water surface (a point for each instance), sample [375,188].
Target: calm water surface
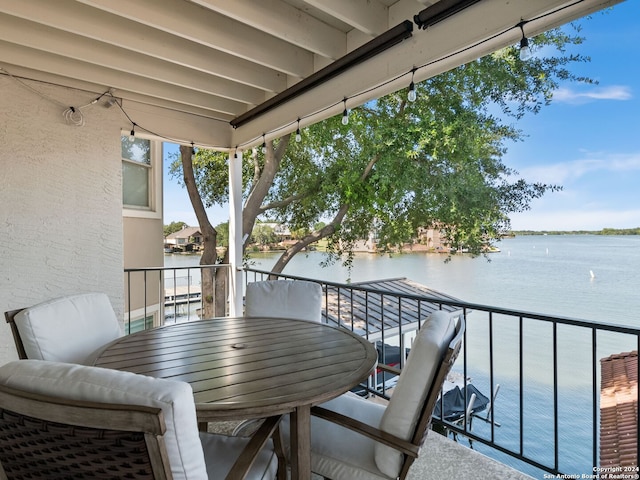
[588,277]
[544,274]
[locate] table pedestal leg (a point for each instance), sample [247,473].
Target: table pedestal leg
[301,443]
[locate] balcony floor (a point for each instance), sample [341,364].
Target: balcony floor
[440,458]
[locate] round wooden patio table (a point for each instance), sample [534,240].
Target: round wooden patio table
[251,367]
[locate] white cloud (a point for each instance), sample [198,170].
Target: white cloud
[614,92]
[584,203]
[572,219]
[564,172]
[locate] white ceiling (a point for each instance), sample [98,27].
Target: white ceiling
[184,69]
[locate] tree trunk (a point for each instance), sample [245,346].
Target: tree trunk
[253,206]
[326,231]
[210,303]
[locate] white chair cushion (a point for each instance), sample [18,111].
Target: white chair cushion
[403,411]
[193,455]
[221,452]
[337,452]
[95,384]
[299,299]
[68,329]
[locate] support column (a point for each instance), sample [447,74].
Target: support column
[235,234]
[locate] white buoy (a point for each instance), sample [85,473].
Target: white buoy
[593,275]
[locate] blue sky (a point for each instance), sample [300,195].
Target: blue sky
[587,140]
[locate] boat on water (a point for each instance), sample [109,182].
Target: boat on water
[452,402]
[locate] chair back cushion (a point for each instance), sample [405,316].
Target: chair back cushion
[94,384]
[68,329]
[297,299]
[403,411]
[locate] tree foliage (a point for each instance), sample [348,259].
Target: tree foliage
[264,234]
[174,227]
[399,165]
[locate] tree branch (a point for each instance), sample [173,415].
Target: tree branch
[264,182]
[324,232]
[284,202]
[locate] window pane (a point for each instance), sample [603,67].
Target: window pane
[140,324]
[135,184]
[136,150]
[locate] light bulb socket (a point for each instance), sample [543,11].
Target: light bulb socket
[411,96]
[345,117]
[525,50]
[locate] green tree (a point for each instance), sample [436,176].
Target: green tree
[174,227]
[264,234]
[223,234]
[399,165]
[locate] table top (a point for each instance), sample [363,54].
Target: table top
[248,367]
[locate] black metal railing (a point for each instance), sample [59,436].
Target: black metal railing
[546,417]
[158,295]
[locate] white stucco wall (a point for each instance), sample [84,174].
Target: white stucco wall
[60,200]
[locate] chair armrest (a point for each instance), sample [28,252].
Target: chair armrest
[244,462]
[389,368]
[362,428]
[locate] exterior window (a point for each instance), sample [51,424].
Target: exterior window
[136,173]
[140,325]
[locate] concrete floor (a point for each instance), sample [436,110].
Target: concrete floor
[440,458]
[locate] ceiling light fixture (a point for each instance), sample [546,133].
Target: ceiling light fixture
[370,49]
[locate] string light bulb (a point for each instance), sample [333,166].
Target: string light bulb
[525,50]
[298,135]
[264,144]
[345,114]
[411,96]
[193,150]
[132,134]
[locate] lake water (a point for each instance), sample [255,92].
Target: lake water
[588,277]
[542,273]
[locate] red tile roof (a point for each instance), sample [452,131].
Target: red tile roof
[619,410]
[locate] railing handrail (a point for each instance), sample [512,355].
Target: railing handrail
[467,305]
[405,310]
[191,267]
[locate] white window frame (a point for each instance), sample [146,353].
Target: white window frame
[155,185]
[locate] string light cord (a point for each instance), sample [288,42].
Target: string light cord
[74,115]
[410,73]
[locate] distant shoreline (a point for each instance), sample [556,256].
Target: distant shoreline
[604,231]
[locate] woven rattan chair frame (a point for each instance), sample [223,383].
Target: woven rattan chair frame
[50,437]
[10,317]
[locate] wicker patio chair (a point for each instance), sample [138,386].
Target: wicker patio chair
[60,420]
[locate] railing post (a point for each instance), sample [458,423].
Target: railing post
[236,239]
